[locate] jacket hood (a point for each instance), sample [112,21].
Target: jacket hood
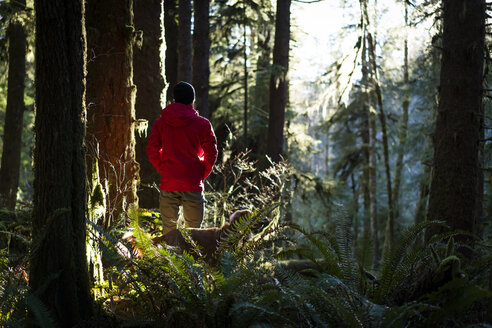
[179,115]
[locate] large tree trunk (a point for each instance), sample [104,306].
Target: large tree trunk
[12,137]
[150,87]
[453,190]
[58,263]
[279,84]
[201,49]
[111,100]
[184,41]
[171,38]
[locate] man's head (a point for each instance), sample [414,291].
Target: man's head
[184,93]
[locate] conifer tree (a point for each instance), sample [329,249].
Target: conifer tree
[171,40]
[201,50]
[12,137]
[279,84]
[58,263]
[150,88]
[111,101]
[455,175]
[184,41]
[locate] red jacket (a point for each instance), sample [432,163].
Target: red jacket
[182,147]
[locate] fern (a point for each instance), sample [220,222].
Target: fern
[391,265]
[332,265]
[41,313]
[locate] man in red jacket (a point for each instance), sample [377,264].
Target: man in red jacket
[183,149]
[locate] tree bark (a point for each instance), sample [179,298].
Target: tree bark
[389,236]
[150,87]
[259,92]
[370,136]
[279,84]
[12,137]
[111,101]
[171,38]
[201,50]
[453,190]
[184,41]
[245,80]
[58,257]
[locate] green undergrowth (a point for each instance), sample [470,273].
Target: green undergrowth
[286,277]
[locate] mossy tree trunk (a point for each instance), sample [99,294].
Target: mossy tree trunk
[369,137]
[111,101]
[171,40]
[58,264]
[12,137]
[150,87]
[279,84]
[455,175]
[201,50]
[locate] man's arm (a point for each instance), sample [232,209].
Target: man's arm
[209,146]
[154,146]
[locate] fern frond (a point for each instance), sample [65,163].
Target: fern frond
[41,312]
[21,238]
[332,264]
[393,259]
[347,262]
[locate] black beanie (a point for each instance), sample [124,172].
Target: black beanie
[184,93]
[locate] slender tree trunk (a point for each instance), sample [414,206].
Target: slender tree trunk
[111,101]
[259,97]
[58,263]
[355,208]
[376,256]
[245,78]
[184,41]
[150,87]
[420,211]
[455,175]
[201,50]
[403,126]
[12,137]
[370,135]
[479,224]
[171,40]
[389,237]
[279,84]
[365,185]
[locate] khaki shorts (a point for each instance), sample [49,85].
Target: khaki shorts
[192,206]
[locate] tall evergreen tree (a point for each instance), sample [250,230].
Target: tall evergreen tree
[201,50]
[150,87]
[12,137]
[171,40]
[111,100]
[279,84]
[184,41]
[58,263]
[369,139]
[454,183]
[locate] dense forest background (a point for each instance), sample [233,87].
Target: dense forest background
[357,131]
